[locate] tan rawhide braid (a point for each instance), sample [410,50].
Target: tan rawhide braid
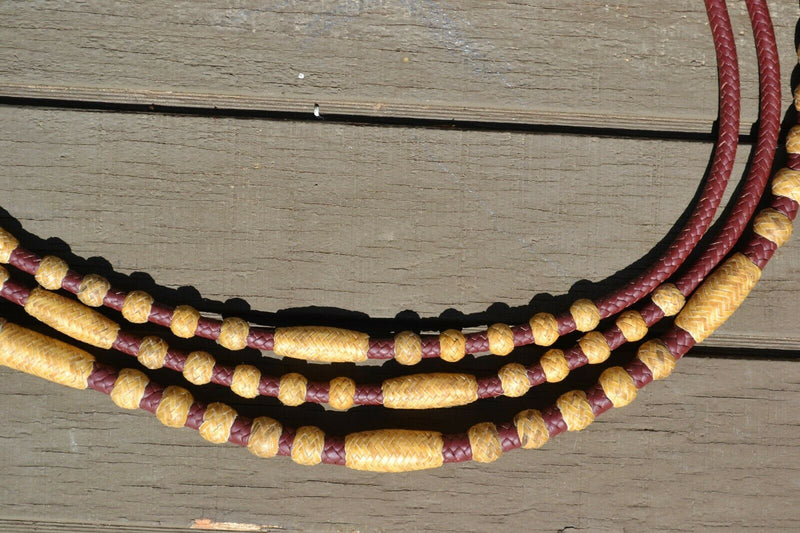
[398,450]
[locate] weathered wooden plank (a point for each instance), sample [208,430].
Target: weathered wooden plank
[714,447]
[640,65]
[289,215]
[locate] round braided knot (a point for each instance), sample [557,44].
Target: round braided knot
[656,356]
[199,368]
[93,290]
[669,299]
[245,381]
[173,409]
[217,422]
[233,333]
[393,450]
[152,352]
[265,435]
[793,140]
[786,183]
[292,389]
[407,348]
[531,429]
[7,245]
[575,410]
[595,347]
[3,276]
[484,440]
[555,365]
[544,328]
[341,393]
[184,321]
[501,339]
[773,226]
[136,307]
[585,314]
[129,388]
[618,386]
[514,378]
[632,325]
[452,345]
[307,446]
[51,272]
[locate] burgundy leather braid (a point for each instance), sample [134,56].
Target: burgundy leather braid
[699,220]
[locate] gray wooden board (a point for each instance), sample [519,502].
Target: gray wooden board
[286,215]
[637,64]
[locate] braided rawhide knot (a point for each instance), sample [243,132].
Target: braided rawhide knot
[3,276]
[575,410]
[669,299]
[452,345]
[393,450]
[793,140]
[184,321]
[544,328]
[198,368]
[292,389]
[93,290]
[245,381]
[514,379]
[152,352]
[485,442]
[657,358]
[217,422]
[129,388]
[8,243]
[585,314]
[407,348]
[501,339]
[51,272]
[321,343]
[173,409]
[555,365]
[429,391]
[786,183]
[618,386]
[136,307]
[233,333]
[595,347]
[773,226]
[307,445]
[632,325]
[531,429]
[341,395]
[265,436]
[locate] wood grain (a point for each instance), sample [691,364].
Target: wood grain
[289,215]
[637,65]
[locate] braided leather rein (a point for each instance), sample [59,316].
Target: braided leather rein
[712,298]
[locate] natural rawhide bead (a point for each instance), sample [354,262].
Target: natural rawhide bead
[585,314]
[632,325]
[292,389]
[93,290]
[245,381]
[72,318]
[174,406]
[129,388]
[39,355]
[718,297]
[137,306]
[198,368]
[544,328]
[307,446]
[575,410]
[595,347]
[341,393]
[618,386]
[429,391]
[793,140]
[152,352]
[393,450]
[51,272]
[321,343]
[7,245]
[217,422]
[669,299]
[3,276]
[407,348]
[786,183]
[531,429]
[233,333]
[656,356]
[501,339]
[265,436]
[184,321]
[452,345]
[484,440]
[555,365]
[773,226]
[514,378]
